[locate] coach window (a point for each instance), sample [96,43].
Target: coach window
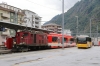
[65,39]
[54,39]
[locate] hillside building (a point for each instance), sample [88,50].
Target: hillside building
[53,27]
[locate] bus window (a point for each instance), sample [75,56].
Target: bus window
[81,40]
[88,39]
[54,39]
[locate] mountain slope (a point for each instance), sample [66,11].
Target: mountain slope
[84,9]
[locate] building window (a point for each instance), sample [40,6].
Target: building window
[3,37]
[14,9]
[12,31]
[8,7]
[12,14]
[5,6]
[12,20]
[1,14]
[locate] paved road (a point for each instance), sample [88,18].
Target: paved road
[55,57]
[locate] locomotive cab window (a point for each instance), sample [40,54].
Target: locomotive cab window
[25,34]
[18,34]
[54,39]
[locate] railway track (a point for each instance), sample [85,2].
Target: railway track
[8,52]
[19,54]
[5,51]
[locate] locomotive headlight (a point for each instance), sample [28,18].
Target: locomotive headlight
[14,42]
[21,37]
[23,42]
[13,46]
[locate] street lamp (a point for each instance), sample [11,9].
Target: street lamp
[96,27]
[97,32]
[62,24]
[90,27]
[77,25]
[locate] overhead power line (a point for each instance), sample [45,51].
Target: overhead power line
[41,5]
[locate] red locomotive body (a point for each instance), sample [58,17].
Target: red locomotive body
[25,41]
[9,43]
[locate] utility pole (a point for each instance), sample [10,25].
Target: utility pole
[34,20]
[97,31]
[62,24]
[16,17]
[90,27]
[77,25]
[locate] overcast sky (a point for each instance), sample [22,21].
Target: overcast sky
[46,9]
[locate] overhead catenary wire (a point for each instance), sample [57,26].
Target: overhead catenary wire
[42,5]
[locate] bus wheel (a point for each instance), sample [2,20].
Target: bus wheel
[78,47]
[87,47]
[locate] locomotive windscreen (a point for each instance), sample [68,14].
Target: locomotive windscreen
[25,34]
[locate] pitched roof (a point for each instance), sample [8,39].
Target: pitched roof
[51,24]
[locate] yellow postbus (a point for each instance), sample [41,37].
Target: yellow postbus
[83,42]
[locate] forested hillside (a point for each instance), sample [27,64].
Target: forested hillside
[85,10]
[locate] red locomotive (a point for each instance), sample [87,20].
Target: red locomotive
[25,41]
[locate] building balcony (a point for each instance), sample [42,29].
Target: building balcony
[59,31]
[37,20]
[59,28]
[5,33]
[23,24]
[36,24]
[4,15]
[5,20]
[36,16]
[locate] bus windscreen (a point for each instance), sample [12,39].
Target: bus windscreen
[81,40]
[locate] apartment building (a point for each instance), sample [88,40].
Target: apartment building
[11,14]
[67,31]
[53,27]
[32,19]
